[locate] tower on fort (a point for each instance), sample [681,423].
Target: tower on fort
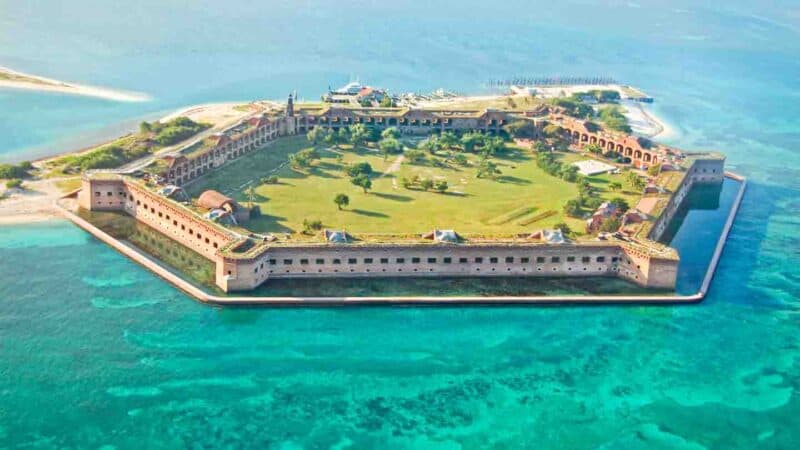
[290,106]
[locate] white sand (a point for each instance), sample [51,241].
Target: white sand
[644,122]
[35,203]
[50,85]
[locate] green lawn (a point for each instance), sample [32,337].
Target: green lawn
[521,199]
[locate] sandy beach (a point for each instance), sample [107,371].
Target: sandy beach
[644,122]
[12,79]
[34,203]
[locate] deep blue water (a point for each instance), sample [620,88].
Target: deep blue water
[95,351]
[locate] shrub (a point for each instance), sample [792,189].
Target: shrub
[309,226]
[16,183]
[9,171]
[563,227]
[415,156]
[426,184]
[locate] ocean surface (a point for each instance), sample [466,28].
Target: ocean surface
[95,352]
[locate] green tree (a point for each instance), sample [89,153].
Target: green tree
[440,186]
[343,136]
[415,156]
[620,203]
[331,138]
[635,181]
[569,173]
[585,189]
[251,195]
[310,226]
[430,145]
[341,200]
[572,208]
[448,139]
[565,230]
[426,184]
[358,134]
[461,159]
[362,181]
[615,185]
[390,145]
[359,168]
[391,132]
[387,102]
[487,168]
[574,107]
[552,130]
[492,145]
[613,119]
[316,135]
[470,140]
[593,148]
[406,183]
[145,127]
[521,128]
[654,170]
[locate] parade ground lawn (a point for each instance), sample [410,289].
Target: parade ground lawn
[522,198]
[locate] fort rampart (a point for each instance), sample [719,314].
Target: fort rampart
[639,262]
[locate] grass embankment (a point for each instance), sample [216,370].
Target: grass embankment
[522,198]
[150,138]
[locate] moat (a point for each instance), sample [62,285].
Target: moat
[693,233]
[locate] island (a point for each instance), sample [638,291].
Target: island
[12,79]
[511,185]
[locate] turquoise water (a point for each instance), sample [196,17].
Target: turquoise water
[95,351]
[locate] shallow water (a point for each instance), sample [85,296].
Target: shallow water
[95,351]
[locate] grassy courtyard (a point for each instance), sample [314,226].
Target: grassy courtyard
[522,198]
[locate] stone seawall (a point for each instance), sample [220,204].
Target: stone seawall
[701,171]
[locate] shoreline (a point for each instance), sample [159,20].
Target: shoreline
[645,122]
[29,82]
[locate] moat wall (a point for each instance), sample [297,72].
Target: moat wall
[360,260]
[700,172]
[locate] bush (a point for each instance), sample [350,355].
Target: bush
[9,171]
[460,159]
[14,184]
[574,107]
[572,208]
[612,118]
[415,156]
[563,227]
[520,129]
[310,226]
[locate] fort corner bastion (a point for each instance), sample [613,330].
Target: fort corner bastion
[245,261]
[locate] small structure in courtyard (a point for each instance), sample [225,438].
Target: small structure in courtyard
[591,167]
[222,204]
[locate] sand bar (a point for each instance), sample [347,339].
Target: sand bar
[12,79]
